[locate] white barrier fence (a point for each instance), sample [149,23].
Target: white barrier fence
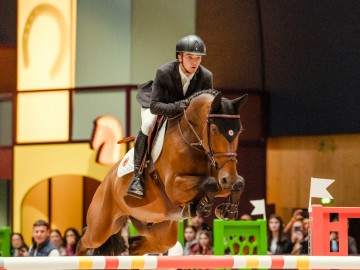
[177,262]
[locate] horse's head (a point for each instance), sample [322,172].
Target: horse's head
[107,131]
[220,140]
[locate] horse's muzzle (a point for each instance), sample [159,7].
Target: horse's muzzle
[233,182]
[239,184]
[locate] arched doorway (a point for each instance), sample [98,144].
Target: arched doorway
[61,200]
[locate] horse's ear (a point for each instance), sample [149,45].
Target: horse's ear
[216,103]
[238,102]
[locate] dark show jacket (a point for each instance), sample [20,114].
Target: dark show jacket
[164,93]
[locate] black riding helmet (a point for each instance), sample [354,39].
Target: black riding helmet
[191,44]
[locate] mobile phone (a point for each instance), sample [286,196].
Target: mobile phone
[297,229]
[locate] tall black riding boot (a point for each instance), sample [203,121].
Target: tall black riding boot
[137,187]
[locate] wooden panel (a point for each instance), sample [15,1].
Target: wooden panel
[6,164]
[292,161]
[7,69]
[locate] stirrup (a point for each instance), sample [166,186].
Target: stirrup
[135,191]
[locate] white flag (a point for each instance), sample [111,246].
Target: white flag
[259,208]
[318,188]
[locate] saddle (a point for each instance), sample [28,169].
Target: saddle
[154,146]
[147,160]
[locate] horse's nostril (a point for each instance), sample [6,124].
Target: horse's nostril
[223,181]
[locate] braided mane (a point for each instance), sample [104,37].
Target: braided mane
[208,91]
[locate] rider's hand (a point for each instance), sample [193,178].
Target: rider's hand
[184,104]
[298,214]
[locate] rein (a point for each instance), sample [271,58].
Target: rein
[211,154]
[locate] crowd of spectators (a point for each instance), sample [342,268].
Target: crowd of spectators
[45,242]
[293,238]
[289,239]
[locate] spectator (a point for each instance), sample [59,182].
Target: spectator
[246,217]
[200,225]
[297,237]
[71,238]
[297,215]
[278,243]
[42,245]
[57,240]
[205,246]
[18,246]
[190,240]
[334,241]
[352,246]
[305,245]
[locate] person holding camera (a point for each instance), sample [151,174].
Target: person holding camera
[297,237]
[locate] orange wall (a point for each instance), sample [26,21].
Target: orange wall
[34,207]
[292,161]
[66,202]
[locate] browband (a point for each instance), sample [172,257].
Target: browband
[223,116]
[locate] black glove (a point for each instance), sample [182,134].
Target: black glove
[184,104]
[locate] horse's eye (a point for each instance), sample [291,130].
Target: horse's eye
[214,129]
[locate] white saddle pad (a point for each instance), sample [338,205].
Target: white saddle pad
[127,163]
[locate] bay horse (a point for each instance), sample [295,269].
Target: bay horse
[197,163]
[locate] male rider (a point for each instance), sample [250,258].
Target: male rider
[173,84]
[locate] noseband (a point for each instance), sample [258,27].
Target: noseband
[211,154]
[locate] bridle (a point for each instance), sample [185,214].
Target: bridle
[211,154]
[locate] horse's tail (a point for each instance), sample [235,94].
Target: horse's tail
[114,246]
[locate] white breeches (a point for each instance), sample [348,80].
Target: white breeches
[148,120]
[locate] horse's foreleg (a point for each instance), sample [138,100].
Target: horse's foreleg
[229,210]
[204,206]
[184,188]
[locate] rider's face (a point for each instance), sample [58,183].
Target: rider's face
[190,62]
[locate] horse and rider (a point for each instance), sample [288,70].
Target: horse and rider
[173,84]
[197,162]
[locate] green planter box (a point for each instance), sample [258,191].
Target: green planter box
[5,241]
[240,237]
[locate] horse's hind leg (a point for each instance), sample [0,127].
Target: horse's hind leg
[155,238]
[104,218]
[80,249]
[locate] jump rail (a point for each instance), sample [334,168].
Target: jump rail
[185,262]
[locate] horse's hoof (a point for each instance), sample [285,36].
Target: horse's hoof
[226,211]
[203,211]
[188,211]
[203,208]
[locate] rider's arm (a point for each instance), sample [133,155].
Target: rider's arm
[160,97]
